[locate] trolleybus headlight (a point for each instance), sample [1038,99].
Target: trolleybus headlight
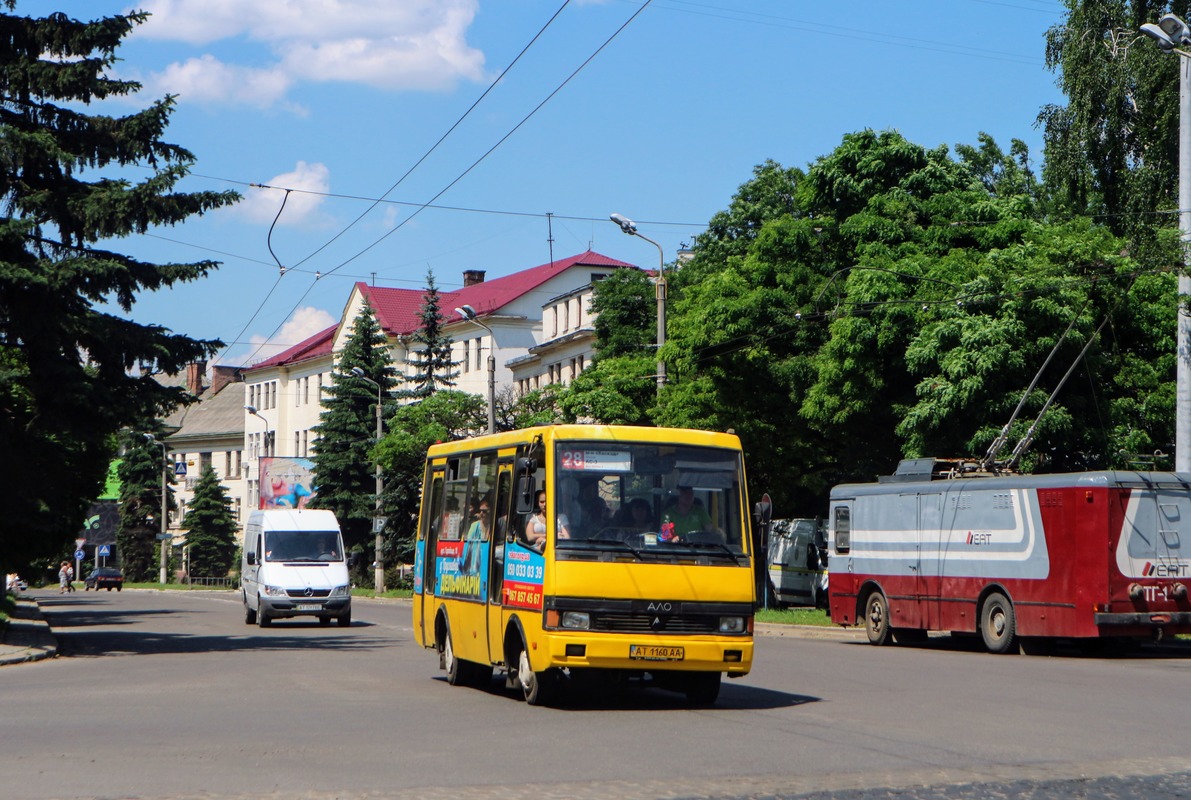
[274,591]
[341,591]
[576,620]
[731,624]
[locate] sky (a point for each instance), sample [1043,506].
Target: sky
[338,109]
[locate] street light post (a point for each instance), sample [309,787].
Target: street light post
[469,314]
[630,227]
[1170,32]
[264,449]
[161,539]
[378,577]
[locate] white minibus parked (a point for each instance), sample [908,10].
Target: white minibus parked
[294,565]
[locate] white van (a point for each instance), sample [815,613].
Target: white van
[293,566]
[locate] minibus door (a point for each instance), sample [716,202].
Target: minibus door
[424,601]
[504,531]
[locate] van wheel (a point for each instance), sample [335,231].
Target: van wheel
[249,614]
[262,619]
[344,620]
[876,619]
[998,625]
[537,687]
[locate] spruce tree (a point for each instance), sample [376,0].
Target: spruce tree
[211,528]
[140,473]
[70,178]
[431,367]
[344,472]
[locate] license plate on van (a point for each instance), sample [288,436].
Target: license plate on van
[652,652]
[309,607]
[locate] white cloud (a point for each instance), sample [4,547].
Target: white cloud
[304,323]
[412,44]
[301,209]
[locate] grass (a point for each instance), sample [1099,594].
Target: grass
[794,616]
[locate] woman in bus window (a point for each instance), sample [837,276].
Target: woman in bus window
[535,528]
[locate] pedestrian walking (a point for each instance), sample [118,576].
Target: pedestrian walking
[62,577]
[69,577]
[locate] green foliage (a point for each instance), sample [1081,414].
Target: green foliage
[211,528]
[625,306]
[66,379]
[614,391]
[431,367]
[343,471]
[446,415]
[141,470]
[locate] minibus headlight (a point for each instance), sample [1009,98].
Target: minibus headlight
[341,591]
[576,620]
[731,624]
[274,591]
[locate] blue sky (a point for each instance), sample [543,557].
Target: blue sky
[338,99]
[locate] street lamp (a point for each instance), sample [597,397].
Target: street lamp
[630,227]
[1169,33]
[469,314]
[265,442]
[163,536]
[377,520]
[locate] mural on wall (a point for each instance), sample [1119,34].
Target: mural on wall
[286,482]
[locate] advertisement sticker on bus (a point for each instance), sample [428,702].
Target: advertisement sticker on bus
[523,578]
[457,569]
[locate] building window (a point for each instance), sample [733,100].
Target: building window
[466,356]
[236,504]
[581,367]
[566,316]
[578,312]
[554,323]
[479,347]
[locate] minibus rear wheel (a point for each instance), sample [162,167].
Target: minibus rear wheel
[458,670]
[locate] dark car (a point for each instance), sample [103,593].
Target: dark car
[105,578]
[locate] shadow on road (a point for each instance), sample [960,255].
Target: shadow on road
[639,696]
[1106,648]
[86,630]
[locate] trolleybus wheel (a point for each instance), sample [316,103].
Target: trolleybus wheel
[998,626]
[876,619]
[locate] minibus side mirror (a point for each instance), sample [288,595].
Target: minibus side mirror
[525,493]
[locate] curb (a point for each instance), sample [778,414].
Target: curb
[27,637]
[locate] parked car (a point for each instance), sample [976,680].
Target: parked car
[105,578]
[15,583]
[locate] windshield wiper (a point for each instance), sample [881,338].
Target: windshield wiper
[732,554]
[605,545]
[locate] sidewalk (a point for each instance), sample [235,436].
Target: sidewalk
[27,637]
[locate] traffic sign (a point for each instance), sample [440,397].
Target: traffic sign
[79,555]
[79,542]
[105,550]
[180,469]
[161,537]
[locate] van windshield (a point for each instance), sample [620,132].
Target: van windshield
[303,546]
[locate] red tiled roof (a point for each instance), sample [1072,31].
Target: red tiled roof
[397,309]
[317,345]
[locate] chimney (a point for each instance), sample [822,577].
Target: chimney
[222,376]
[194,377]
[472,276]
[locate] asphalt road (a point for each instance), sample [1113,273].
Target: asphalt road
[170,695]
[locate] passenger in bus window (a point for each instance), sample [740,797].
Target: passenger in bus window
[535,528]
[592,508]
[449,525]
[640,516]
[685,515]
[481,529]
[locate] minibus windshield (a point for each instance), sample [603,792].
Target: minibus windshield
[650,498]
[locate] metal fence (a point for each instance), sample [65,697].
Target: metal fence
[222,583]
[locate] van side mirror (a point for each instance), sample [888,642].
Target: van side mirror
[353,559]
[250,558]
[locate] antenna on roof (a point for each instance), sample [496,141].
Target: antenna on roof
[550,234]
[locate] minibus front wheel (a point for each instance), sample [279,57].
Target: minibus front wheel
[537,687]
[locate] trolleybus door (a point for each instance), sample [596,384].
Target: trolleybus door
[931,550]
[1173,513]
